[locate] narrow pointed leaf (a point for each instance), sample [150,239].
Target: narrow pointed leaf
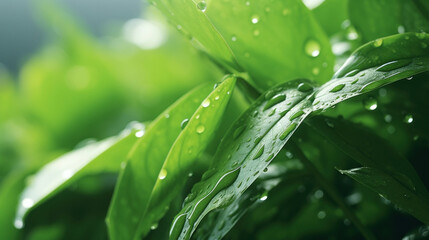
[261,132]
[163,158]
[390,188]
[102,156]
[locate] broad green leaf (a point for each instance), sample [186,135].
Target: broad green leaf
[195,25]
[163,158]
[103,156]
[390,188]
[267,39]
[369,150]
[261,132]
[380,18]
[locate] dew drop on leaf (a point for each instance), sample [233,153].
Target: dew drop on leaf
[408,118]
[233,38]
[163,174]
[200,129]
[304,87]
[184,123]
[337,88]
[255,19]
[206,103]
[378,42]
[264,196]
[202,6]
[370,104]
[139,134]
[154,226]
[312,48]
[321,215]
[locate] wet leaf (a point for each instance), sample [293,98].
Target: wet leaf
[162,159]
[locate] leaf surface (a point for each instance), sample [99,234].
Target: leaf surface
[102,156]
[392,190]
[261,132]
[163,158]
[269,53]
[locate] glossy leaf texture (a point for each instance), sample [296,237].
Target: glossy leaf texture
[261,132]
[270,54]
[163,158]
[282,169]
[391,189]
[103,156]
[369,150]
[381,18]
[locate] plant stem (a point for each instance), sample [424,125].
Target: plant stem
[332,192]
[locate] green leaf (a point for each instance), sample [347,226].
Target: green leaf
[390,188]
[163,158]
[369,150]
[196,26]
[102,156]
[261,132]
[380,18]
[268,52]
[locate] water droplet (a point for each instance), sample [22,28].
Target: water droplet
[378,42]
[388,118]
[202,6]
[27,202]
[315,71]
[167,115]
[273,101]
[318,194]
[197,117]
[256,32]
[190,174]
[288,130]
[184,123]
[265,170]
[370,103]
[312,48]
[163,174]
[200,129]
[234,38]
[247,3]
[238,131]
[255,19]
[206,103]
[408,118]
[259,153]
[224,182]
[289,155]
[321,215]
[154,226]
[286,11]
[296,115]
[337,88]
[304,87]
[264,196]
[393,65]
[401,29]
[139,134]
[216,98]
[272,112]
[18,223]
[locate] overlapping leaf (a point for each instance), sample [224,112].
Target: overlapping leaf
[380,18]
[102,156]
[273,41]
[163,158]
[265,127]
[390,188]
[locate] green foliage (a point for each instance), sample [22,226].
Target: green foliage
[232,160]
